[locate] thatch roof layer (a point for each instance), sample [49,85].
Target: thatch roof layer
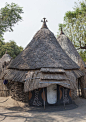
[43,51]
[78,73]
[70,50]
[54,76]
[36,79]
[40,81]
[14,75]
[52,70]
[6,57]
[37,84]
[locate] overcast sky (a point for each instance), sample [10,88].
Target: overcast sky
[34,11]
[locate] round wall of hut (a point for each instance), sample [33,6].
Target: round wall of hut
[16,90]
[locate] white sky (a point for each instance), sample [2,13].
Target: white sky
[34,11]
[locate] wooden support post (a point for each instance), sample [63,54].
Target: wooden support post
[63,98]
[44,98]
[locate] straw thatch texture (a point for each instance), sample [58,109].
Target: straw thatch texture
[54,76]
[72,77]
[36,79]
[14,75]
[78,73]
[20,76]
[5,58]
[52,70]
[37,84]
[43,51]
[69,48]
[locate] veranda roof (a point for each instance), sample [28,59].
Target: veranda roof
[35,79]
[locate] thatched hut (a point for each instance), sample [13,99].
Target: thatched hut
[70,50]
[4,61]
[42,74]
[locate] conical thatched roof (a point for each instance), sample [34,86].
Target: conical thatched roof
[70,50]
[43,52]
[6,57]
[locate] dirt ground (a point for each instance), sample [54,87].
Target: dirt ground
[13,111]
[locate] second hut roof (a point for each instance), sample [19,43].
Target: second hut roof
[70,50]
[5,58]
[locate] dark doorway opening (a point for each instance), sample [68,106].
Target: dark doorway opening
[79,87]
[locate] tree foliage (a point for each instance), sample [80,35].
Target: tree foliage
[9,16]
[11,47]
[74,26]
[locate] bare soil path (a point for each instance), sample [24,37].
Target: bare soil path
[13,111]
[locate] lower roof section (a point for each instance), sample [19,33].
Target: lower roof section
[37,79]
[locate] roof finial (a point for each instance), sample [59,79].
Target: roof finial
[61,31]
[44,23]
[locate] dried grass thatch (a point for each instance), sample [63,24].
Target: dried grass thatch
[5,58]
[37,79]
[14,75]
[43,51]
[70,50]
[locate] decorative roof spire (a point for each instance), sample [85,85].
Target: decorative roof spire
[61,31]
[44,23]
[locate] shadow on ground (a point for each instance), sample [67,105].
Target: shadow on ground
[47,108]
[71,113]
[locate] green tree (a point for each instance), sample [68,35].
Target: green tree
[12,48]
[83,55]
[74,26]
[9,16]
